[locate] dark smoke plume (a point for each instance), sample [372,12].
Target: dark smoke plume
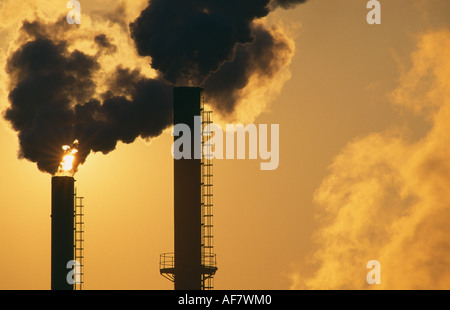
[210,43]
[52,102]
[188,40]
[217,44]
[262,57]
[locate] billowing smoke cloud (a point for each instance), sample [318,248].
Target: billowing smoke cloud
[146,114]
[263,57]
[386,197]
[210,43]
[189,40]
[56,94]
[52,101]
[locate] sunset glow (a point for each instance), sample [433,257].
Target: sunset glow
[348,103]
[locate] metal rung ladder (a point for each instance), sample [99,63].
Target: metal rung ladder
[79,242]
[209,265]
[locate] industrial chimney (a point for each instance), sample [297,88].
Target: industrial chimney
[62,244]
[66,234]
[193,264]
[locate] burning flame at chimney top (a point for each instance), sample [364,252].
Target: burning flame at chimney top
[66,165]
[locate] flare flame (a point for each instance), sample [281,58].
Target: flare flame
[66,165]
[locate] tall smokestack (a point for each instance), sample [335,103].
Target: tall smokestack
[187,199]
[62,235]
[193,265]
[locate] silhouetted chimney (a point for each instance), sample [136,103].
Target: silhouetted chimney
[187,199]
[62,243]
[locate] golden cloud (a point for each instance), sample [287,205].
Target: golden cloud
[387,198]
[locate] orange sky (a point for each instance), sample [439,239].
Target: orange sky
[364,159]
